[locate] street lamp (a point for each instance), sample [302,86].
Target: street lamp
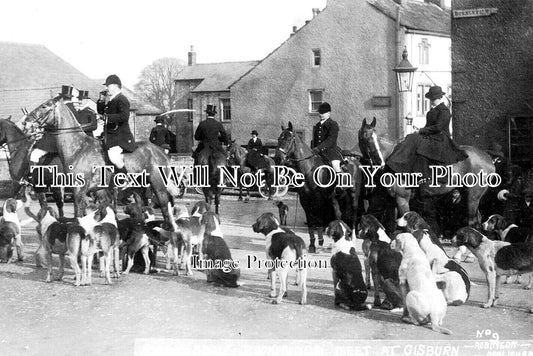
[409,119]
[405,73]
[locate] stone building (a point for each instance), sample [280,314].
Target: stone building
[344,55]
[492,72]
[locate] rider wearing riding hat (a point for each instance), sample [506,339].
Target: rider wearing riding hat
[159,134]
[254,157]
[325,134]
[116,110]
[210,133]
[432,144]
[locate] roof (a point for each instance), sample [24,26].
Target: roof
[417,15]
[215,76]
[31,73]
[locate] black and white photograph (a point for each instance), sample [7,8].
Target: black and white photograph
[251,177]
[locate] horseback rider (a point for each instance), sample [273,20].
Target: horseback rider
[46,144]
[210,133]
[255,158]
[159,134]
[325,134]
[116,110]
[432,144]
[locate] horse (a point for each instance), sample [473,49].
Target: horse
[85,156]
[18,150]
[321,204]
[237,157]
[376,149]
[213,159]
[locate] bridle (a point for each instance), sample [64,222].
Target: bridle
[289,152]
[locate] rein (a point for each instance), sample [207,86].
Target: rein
[290,159]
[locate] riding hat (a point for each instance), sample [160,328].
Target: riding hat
[66,91]
[159,119]
[83,94]
[113,79]
[211,109]
[254,132]
[324,108]
[495,149]
[434,92]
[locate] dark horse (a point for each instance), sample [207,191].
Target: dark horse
[82,153]
[19,146]
[377,149]
[213,159]
[321,205]
[237,157]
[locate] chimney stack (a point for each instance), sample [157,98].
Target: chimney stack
[192,57]
[316,11]
[294,29]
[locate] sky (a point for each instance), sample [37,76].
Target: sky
[103,37]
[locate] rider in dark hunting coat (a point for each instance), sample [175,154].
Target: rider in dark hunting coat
[159,134]
[210,133]
[254,157]
[325,134]
[431,145]
[116,110]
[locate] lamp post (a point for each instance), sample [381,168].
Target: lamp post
[404,73]
[404,77]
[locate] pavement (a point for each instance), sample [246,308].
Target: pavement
[165,314]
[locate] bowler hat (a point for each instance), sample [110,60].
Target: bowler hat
[435,92]
[113,79]
[324,108]
[254,132]
[159,119]
[495,149]
[83,94]
[211,109]
[66,91]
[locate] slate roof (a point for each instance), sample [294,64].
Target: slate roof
[215,76]
[417,15]
[31,73]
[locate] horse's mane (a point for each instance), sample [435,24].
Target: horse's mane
[13,125]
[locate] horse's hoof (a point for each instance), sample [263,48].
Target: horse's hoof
[272,294]
[275,301]
[240,199]
[312,249]
[527,287]
[486,305]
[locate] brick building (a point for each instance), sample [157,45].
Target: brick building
[492,74]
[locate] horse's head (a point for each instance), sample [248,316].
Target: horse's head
[41,116]
[233,153]
[3,130]
[286,145]
[368,142]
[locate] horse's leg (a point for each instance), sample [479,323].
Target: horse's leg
[58,194]
[474,196]
[162,197]
[311,231]
[217,199]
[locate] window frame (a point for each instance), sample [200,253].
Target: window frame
[314,57]
[223,109]
[315,102]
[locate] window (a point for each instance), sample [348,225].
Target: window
[423,51]
[317,58]
[225,110]
[189,106]
[422,104]
[315,99]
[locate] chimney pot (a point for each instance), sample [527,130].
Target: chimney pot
[191,57]
[294,28]
[307,21]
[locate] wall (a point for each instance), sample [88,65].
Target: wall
[358,53]
[492,70]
